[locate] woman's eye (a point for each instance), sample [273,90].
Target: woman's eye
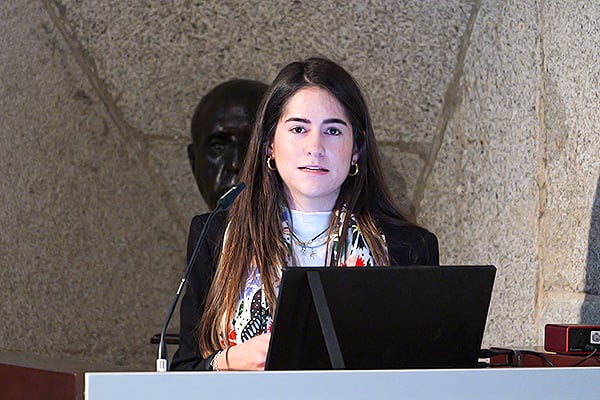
[333,131]
[297,129]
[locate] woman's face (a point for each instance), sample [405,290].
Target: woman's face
[313,149]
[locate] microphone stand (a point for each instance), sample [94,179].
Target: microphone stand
[223,204]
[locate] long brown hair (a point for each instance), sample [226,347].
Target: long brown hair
[254,237]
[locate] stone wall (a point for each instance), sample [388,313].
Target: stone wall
[486,110]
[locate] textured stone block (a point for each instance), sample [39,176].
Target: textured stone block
[92,253]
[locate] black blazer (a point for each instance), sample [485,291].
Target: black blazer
[407,245]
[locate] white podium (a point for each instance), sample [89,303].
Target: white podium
[491,383]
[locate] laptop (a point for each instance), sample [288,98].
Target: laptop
[397,317]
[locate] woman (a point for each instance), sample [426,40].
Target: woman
[315,195]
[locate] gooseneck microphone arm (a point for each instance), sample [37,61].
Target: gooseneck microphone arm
[223,204]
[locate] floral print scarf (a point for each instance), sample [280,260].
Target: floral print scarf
[252,316]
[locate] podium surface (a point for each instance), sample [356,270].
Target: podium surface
[28,376]
[490,383]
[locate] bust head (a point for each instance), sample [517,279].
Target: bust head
[221,128]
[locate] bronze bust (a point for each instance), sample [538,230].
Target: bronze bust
[221,127]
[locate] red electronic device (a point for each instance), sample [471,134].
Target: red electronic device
[572,338]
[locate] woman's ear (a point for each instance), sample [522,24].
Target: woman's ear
[355,155]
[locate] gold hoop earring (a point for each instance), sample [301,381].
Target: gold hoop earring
[353,169]
[271,164]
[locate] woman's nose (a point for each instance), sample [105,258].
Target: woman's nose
[313,144]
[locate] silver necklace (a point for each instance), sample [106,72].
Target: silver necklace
[307,244]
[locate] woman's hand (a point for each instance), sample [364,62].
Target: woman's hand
[248,356]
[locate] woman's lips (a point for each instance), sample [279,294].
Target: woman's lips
[313,168]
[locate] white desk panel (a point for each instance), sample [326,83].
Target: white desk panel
[492,383]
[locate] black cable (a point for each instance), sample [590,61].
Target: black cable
[539,355]
[584,359]
[511,355]
[515,357]
[489,353]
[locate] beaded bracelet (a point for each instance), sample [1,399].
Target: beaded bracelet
[214,363]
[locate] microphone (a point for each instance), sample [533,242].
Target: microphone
[223,203]
[227,199]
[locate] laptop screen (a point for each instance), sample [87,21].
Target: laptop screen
[380,318]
